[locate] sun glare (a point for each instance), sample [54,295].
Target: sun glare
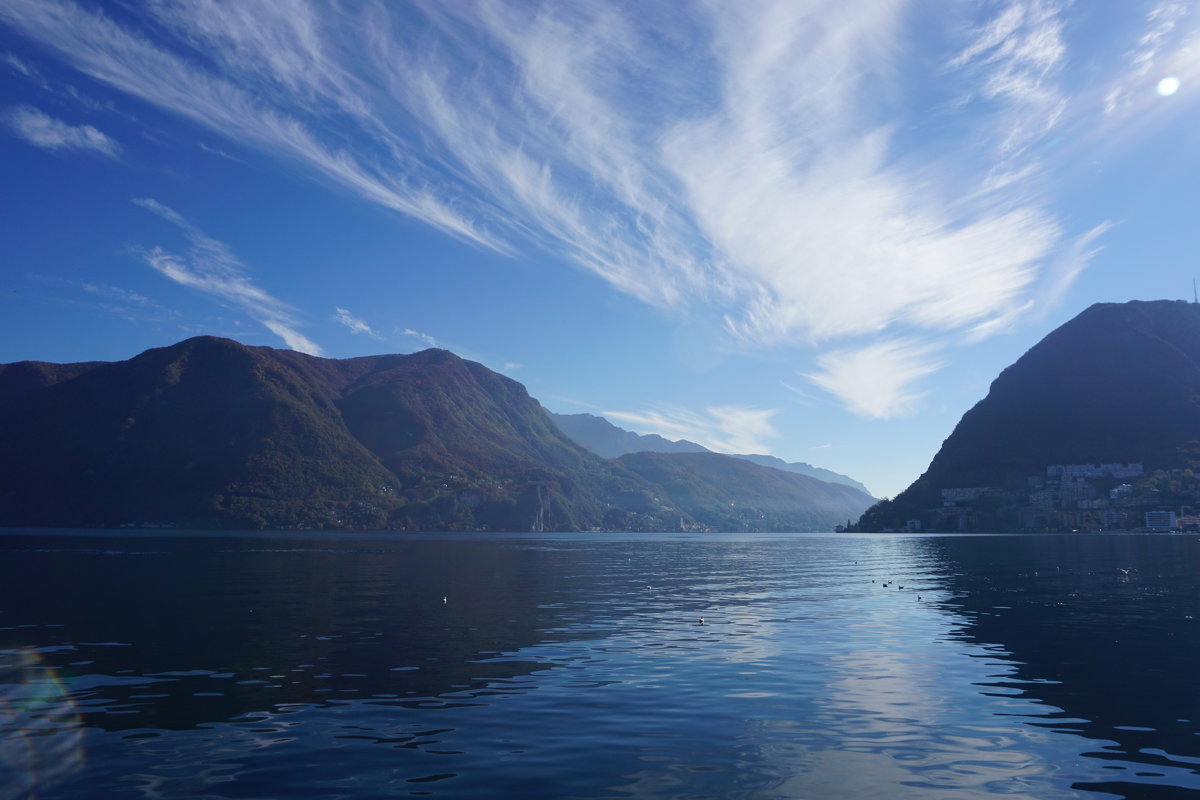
[1168,86]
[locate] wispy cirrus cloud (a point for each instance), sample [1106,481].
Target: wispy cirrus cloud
[1017,56]
[353,323]
[747,162]
[876,380]
[17,64]
[725,429]
[424,338]
[42,130]
[117,300]
[211,267]
[116,293]
[1167,46]
[236,109]
[1161,23]
[1071,262]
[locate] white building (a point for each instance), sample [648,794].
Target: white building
[1073,473]
[1161,520]
[1124,490]
[1074,492]
[1045,499]
[961,495]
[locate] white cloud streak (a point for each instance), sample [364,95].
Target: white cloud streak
[112,54]
[425,338]
[1168,46]
[18,65]
[211,267]
[126,303]
[354,324]
[1018,54]
[116,293]
[875,381]
[1161,23]
[725,429]
[743,161]
[1072,261]
[42,130]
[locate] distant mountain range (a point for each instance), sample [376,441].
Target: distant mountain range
[1118,383]
[209,433]
[606,439]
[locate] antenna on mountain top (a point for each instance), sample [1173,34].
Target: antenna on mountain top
[1194,298]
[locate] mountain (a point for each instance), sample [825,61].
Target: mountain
[726,493]
[1119,383]
[26,379]
[608,441]
[605,439]
[210,433]
[206,433]
[802,468]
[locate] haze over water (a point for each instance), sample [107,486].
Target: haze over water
[575,665]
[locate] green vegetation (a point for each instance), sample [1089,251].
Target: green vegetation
[1117,384]
[209,433]
[717,492]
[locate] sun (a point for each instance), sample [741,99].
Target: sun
[1167,86]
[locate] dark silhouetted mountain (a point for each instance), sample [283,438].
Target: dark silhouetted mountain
[209,433]
[727,493]
[205,433]
[605,439]
[1119,383]
[27,378]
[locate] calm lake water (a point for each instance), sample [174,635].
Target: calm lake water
[575,666]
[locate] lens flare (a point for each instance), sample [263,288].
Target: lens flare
[41,739]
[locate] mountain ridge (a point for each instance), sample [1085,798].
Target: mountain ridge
[210,433]
[611,441]
[1118,383]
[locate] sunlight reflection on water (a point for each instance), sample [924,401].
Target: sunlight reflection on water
[577,666]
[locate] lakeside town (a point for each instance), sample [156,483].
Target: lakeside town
[1074,498]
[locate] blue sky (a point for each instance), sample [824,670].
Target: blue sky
[811,229]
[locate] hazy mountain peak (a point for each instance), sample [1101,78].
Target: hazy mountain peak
[606,439]
[609,441]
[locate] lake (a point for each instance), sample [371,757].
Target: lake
[200,665]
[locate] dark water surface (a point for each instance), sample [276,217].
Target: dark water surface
[575,666]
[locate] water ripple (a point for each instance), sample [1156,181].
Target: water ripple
[600,666]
